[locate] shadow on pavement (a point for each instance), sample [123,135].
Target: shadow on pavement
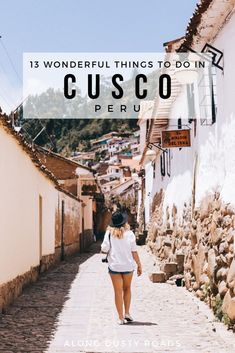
[141,323]
[30,321]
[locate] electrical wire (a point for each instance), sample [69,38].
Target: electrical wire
[51,141]
[10,60]
[4,93]
[6,101]
[21,81]
[8,97]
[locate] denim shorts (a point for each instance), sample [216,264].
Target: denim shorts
[119,273]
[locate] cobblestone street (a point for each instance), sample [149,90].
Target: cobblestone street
[29,322]
[52,316]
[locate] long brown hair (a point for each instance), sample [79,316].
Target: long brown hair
[117,232]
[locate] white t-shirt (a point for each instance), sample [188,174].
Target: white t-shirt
[120,258]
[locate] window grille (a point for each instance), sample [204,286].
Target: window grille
[207,95]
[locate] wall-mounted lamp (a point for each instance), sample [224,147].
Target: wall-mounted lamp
[151,145]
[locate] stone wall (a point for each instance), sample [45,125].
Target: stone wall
[71,224]
[103,217]
[87,238]
[201,243]
[11,290]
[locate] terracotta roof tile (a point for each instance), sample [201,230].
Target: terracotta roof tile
[5,123]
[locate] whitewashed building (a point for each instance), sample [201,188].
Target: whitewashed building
[189,192]
[209,163]
[41,220]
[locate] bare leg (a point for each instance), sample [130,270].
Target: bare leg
[127,291]
[118,291]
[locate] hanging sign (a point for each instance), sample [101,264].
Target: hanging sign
[176,138]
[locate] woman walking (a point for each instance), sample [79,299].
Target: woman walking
[120,245]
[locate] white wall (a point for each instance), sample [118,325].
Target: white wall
[148,191]
[21,183]
[216,144]
[221,141]
[88,212]
[150,188]
[177,186]
[142,125]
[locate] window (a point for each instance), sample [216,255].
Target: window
[40,226]
[207,95]
[147,128]
[154,170]
[191,102]
[179,123]
[62,254]
[168,162]
[162,164]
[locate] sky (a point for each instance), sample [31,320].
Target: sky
[82,26]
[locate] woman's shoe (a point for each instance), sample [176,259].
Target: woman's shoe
[122,321]
[128,318]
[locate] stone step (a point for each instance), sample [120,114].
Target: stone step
[170,269]
[158,277]
[180,262]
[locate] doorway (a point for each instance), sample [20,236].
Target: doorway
[40,228]
[62,255]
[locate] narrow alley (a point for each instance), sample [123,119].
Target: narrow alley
[71,311]
[117,151]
